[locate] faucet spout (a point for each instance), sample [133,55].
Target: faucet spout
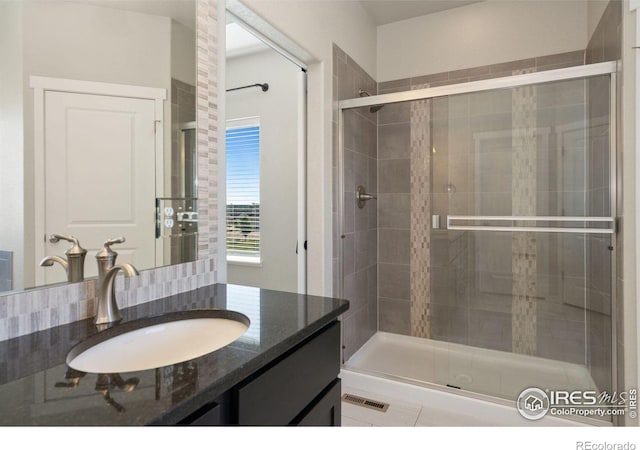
[74,263]
[48,261]
[108,311]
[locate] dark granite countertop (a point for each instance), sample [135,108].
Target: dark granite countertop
[38,388]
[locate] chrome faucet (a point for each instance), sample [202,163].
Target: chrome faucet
[74,264]
[107,307]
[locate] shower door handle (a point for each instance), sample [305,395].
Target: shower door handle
[435,221]
[609,221]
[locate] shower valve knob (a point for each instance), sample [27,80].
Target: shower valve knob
[362,196]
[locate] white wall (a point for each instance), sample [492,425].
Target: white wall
[479,34]
[84,42]
[315,25]
[11,136]
[278,112]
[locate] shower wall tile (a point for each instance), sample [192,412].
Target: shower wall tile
[521,64]
[488,113]
[349,252]
[350,129]
[393,246]
[605,43]
[491,302]
[466,73]
[393,140]
[393,210]
[357,329]
[366,249]
[430,79]
[393,176]
[450,324]
[373,175]
[394,84]
[394,112]
[359,226]
[393,281]
[394,316]
[365,132]
[574,58]
[544,62]
[489,329]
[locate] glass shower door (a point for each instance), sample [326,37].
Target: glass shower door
[521,237]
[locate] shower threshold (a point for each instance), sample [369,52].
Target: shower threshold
[491,375]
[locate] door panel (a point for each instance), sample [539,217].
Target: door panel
[115,136]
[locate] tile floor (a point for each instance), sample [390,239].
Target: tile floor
[402,414]
[412,405]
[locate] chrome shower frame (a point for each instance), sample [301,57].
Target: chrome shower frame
[570,73]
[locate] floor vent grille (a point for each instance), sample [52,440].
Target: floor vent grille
[365,402]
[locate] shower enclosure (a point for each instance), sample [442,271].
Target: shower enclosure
[489,250]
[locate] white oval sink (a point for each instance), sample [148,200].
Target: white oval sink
[157,341]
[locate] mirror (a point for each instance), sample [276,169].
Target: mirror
[97,133]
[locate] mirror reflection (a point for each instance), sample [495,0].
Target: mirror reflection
[97,134]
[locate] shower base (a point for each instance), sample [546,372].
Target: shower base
[475,370]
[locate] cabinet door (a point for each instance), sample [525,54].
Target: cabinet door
[326,411]
[279,394]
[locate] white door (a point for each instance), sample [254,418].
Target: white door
[115,138]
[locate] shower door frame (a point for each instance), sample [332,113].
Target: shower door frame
[513,81]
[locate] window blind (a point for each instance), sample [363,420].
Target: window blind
[243,191]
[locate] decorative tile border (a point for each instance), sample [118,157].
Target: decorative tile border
[39,309]
[523,248]
[420,142]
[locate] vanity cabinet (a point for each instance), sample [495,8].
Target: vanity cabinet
[301,387]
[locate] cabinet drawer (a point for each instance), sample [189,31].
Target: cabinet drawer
[277,395]
[208,415]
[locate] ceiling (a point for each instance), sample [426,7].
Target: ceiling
[387,11]
[240,42]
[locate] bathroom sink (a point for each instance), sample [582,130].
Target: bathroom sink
[157,341]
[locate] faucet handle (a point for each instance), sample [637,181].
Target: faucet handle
[106,251]
[75,249]
[118,240]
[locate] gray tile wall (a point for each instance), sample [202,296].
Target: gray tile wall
[471,287]
[359,236]
[463,309]
[604,45]
[394,211]
[38,309]
[183,246]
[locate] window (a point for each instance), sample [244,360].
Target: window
[243,190]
